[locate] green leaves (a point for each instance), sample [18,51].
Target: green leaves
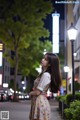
[21,27]
[73,113]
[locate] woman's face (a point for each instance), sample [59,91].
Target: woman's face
[44,62]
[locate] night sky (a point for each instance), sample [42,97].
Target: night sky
[48,22]
[59,8]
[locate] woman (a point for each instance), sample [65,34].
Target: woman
[49,78]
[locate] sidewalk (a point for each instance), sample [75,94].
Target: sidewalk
[55,115]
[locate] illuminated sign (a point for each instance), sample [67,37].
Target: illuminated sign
[1,46]
[5,85]
[0,79]
[55,32]
[0,58]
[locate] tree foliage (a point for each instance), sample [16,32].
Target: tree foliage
[21,26]
[32,57]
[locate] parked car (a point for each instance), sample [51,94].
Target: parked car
[24,97]
[27,97]
[10,97]
[21,97]
[3,96]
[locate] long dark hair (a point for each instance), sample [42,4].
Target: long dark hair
[54,70]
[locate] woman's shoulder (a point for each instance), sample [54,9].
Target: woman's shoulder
[46,74]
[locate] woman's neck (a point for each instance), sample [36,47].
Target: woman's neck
[44,69]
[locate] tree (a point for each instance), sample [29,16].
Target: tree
[21,21]
[32,57]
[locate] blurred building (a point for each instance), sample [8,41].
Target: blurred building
[6,71]
[4,67]
[1,63]
[72,14]
[76,17]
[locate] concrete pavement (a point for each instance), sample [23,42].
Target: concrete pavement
[20,110]
[55,115]
[55,110]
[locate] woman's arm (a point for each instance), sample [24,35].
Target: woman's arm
[35,92]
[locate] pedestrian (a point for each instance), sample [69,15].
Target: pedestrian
[49,78]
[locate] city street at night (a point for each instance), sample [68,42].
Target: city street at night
[20,110]
[39,59]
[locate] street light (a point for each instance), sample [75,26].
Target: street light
[23,82]
[72,34]
[66,70]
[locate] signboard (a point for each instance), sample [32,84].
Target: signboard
[64,83]
[55,32]
[0,59]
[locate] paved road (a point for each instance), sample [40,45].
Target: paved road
[20,110]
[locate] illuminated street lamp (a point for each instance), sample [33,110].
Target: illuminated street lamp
[66,70]
[24,87]
[72,34]
[23,82]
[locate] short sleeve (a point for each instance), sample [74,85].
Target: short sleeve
[45,79]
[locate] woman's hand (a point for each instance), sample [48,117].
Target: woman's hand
[35,93]
[30,94]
